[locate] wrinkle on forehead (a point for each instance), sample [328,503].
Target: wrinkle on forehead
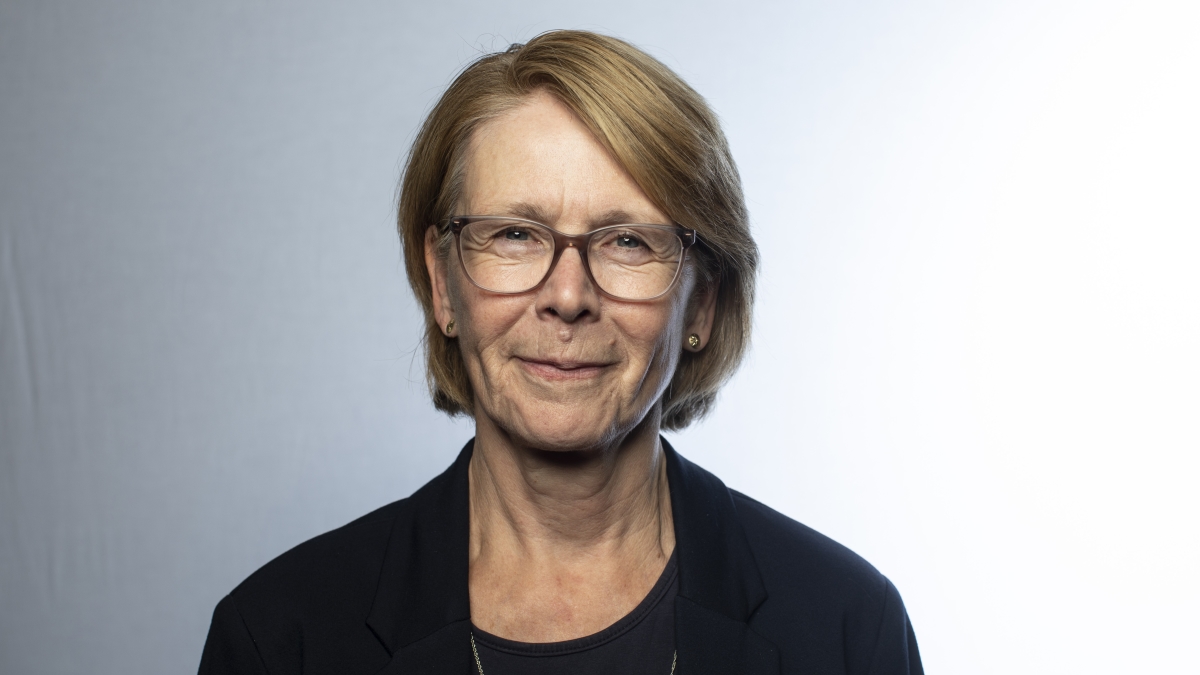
[539,161]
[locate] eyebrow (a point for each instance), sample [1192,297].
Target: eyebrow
[528,212]
[535,213]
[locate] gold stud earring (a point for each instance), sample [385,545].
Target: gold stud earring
[450,327]
[694,341]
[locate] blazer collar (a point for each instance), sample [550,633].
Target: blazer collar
[421,610]
[719,583]
[716,569]
[423,583]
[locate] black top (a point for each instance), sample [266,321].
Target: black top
[388,593]
[640,643]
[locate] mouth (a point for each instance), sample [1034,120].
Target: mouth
[553,369]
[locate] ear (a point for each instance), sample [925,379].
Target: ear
[443,311]
[704,312]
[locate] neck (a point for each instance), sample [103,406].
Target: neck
[565,543]
[563,503]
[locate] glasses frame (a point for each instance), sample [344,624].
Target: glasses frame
[579,242]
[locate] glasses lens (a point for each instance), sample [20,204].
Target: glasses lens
[636,262]
[506,256]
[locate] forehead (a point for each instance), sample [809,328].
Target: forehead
[541,155]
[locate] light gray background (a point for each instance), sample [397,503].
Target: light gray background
[975,358]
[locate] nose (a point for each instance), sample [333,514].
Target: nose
[568,293]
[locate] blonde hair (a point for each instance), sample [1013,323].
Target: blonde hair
[656,127]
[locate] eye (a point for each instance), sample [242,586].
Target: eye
[628,241]
[513,234]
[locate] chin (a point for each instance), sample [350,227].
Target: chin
[566,438]
[556,428]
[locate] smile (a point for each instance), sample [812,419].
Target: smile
[549,369]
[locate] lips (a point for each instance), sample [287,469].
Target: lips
[553,369]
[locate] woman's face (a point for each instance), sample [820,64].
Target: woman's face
[560,367]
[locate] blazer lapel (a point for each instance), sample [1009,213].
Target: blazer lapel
[719,583]
[710,643]
[445,652]
[422,611]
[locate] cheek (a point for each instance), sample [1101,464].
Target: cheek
[655,331]
[494,318]
[483,320]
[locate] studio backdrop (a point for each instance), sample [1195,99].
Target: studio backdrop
[975,347]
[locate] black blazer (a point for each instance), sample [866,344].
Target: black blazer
[387,594]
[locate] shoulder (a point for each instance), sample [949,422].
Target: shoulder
[313,608]
[324,567]
[791,554]
[797,565]
[322,588]
[828,609]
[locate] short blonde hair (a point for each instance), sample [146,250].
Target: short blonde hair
[656,127]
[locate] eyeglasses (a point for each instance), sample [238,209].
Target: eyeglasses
[625,262]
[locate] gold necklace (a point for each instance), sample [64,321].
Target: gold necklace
[479,666]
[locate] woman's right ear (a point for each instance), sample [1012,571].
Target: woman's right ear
[435,265]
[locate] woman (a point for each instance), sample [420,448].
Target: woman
[575,231]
